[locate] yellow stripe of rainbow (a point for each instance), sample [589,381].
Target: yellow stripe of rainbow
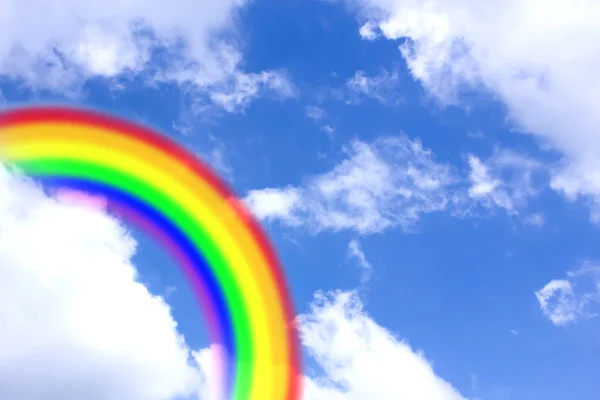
[60,142]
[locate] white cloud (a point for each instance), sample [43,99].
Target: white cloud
[315,113]
[205,359]
[216,157]
[60,46]
[393,181]
[482,183]
[241,88]
[368,32]
[558,302]
[271,203]
[475,135]
[565,301]
[359,359]
[387,183]
[505,180]
[382,87]
[355,251]
[362,360]
[536,219]
[75,322]
[328,129]
[539,57]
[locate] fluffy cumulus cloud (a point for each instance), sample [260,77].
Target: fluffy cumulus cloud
[387,183]
[565,301]
[74,41]
[357,358]
[539,57]
[362,360]
[75,321]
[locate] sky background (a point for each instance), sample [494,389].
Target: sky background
[429,173]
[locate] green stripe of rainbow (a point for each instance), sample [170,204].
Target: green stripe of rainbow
[256,312]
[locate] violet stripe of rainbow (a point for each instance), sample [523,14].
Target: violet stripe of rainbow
[81,146]
[150,220]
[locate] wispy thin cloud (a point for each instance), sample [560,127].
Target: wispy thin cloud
[356,252]
[566,301]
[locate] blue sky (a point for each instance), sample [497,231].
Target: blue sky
[449,184]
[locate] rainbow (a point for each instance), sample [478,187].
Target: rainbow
[167,191]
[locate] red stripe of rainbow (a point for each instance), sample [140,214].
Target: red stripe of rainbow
[193,210]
